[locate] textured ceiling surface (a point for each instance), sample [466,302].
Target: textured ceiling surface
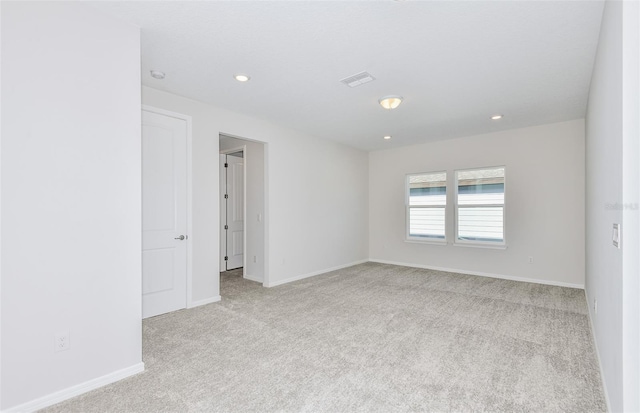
[456,63]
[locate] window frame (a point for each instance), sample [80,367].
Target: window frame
[408,207]
[456,207]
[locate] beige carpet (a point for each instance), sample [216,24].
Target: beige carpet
[369,338]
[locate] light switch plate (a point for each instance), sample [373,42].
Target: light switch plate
[616,235]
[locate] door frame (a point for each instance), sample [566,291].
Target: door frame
[242,149]
[188,120]
[265,193]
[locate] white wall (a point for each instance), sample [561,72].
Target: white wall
[317,195]
[70,199]
[544,203]
[612,197]
[254,204]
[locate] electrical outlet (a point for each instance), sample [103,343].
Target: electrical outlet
[530,260]
[255,259]
[61,341]
[595,306]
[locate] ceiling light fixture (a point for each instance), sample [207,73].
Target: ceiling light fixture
[386,138]
[156,74]
[496,117]
[242,77]
[390,102]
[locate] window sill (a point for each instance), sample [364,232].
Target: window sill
[474,245]
[430,242]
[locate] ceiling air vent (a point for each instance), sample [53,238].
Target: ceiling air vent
[358,79]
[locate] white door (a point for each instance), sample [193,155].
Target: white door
[164,214]
[223,213]
[234,226]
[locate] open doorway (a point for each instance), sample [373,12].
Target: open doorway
[242,208]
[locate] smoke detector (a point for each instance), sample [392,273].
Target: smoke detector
[156,74]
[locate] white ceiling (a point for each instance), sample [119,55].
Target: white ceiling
[455,62]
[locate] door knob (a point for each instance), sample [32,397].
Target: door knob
[181,237]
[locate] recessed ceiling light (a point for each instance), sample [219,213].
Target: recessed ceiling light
[390,102]
[496,117]
[242,77]
[156,74]
[386,138]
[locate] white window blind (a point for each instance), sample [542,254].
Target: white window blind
[426,206]
[480,205]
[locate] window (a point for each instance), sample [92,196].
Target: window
[426,204]
[480,206]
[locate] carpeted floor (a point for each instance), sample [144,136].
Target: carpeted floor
[369,338]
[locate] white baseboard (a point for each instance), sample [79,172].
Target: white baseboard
[252,278]
[206,301]
[595,346]
[481,274]
[76,390]
[311,274]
